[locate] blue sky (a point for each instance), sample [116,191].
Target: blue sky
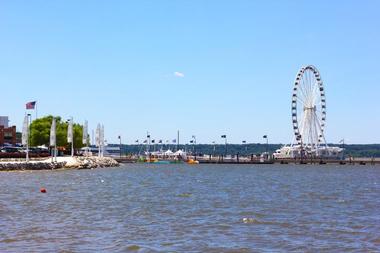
[115,62]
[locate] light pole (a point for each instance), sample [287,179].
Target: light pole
[245,144]
[267,154]
[214,148]
[225,143]
[120,144]
[148,143]
[194,146]
[29,121]
[342,155]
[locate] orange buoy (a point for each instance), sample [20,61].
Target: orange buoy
[43,190]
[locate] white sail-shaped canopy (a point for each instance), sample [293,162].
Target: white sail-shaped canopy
[102,136]
[97,138]
[53,138]
[168,152]
[85,133]
[70,131]
[25,131]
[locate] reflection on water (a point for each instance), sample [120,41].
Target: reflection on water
[206,208]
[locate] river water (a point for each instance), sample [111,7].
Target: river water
[199,208]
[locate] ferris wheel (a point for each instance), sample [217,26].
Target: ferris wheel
[309,109]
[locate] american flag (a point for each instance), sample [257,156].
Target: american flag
[31,105]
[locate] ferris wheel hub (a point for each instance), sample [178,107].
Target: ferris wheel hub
[314,108]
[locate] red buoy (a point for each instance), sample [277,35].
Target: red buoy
[43,190]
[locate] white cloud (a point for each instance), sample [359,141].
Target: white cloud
[179,74]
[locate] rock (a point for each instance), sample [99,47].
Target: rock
[91,162]
[68,163]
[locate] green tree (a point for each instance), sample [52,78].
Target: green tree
[40,132]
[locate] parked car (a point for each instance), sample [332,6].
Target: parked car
[39,151]
[10,150]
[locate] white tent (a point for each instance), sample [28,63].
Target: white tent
[168,152]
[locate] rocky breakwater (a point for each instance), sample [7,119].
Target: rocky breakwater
[90,162]
[80,162]
[13,166]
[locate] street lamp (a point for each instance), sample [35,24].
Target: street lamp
[342,156]
[148,143]
[225,144]
[266,137]
[194,141]
[119,137]
[244,143]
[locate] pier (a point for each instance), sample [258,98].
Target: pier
[245,160]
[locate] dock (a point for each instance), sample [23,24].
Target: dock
[218,160]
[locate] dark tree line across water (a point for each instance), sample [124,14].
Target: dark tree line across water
[355,150]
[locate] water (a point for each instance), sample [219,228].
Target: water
[182,208]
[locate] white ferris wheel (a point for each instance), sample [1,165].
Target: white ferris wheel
[309,109]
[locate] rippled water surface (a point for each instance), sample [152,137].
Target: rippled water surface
[182,208]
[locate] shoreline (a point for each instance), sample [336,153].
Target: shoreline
[76,162]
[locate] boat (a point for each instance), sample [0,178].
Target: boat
[192,161]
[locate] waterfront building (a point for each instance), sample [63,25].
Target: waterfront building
[7,135]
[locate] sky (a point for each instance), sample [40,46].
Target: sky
[203,67]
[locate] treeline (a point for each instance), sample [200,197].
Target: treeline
[355,150]
[363,150]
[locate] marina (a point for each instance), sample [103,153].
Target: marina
[309,146]
[248,160]
[189,126]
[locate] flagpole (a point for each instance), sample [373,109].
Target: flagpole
[177,140]
[52,151]
[27,140]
